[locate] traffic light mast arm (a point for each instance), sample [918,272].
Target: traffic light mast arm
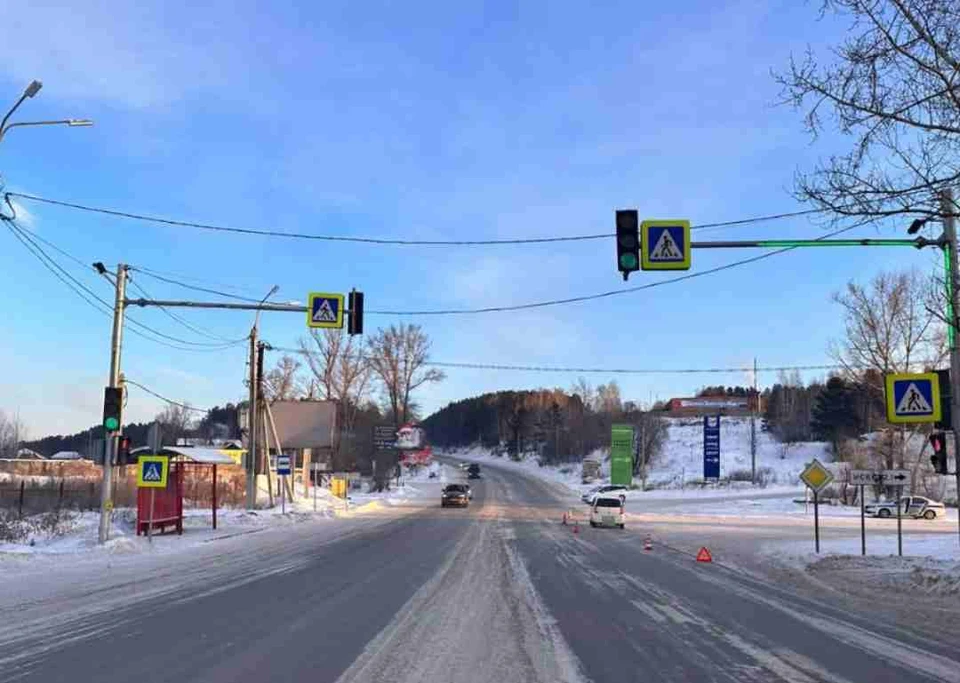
[917,243]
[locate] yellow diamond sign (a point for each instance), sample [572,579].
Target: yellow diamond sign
[816,476]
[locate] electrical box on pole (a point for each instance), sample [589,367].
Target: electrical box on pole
[628,241]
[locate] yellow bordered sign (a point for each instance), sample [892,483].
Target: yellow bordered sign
[816,476]
[665,245]
[325,311]
[913,397]
[152,471]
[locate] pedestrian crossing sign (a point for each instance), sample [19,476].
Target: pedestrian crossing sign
[152,471]
[665,245]
[913,397]
[325,311]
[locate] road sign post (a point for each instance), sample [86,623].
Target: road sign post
[152,473]
[896,478]
[817,477]
[863,523]
[899,490]
[283,470]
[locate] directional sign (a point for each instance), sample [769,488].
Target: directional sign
[913,397]
[325,310]
[384,437]
[283,464]
[880,477]
[665,245]
[816,476]
[152,471]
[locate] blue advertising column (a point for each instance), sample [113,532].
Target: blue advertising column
[711,447]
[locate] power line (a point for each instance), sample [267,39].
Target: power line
[384,240]
[24,236]
[196,288]
[193,328]
[609,293]
[185,406]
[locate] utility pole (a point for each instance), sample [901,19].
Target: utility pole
[110,440]
[252,425]
[643,451]
[753,425]
[949,210]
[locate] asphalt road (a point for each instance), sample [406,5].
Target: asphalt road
[498,592]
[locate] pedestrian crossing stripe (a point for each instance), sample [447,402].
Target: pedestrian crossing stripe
[665,245]
[325,310]
[152,471]
[913,397]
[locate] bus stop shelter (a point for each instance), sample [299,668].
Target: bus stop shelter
[168,502]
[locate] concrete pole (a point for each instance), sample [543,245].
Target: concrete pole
[949,210]
[110,440]
[252,425]
[753,426]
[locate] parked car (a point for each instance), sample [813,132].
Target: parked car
[608,510]
[911,506]
[455,495]
[617,489]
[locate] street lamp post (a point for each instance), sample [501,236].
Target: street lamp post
[31,91]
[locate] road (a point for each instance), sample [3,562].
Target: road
[500,592]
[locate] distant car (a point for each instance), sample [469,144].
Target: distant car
[473,472]
[455,495]
[911,506]
[617,489]
[608,510]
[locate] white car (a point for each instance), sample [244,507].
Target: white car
[606,489]
[608,510]
[911,506]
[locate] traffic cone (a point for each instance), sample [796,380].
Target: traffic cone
[647,544]
[576,527]
[704,555]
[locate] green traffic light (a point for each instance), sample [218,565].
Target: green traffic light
[628,261]
[111,424]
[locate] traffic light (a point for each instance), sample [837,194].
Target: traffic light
[355,306]
[938,441]
[628,241]
[112,407]
[123,450]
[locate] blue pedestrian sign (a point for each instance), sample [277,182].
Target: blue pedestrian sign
[325,311]
[711,447]
[665,245]
[283,465]
[152,471]
[913,397]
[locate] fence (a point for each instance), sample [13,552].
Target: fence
[78,488]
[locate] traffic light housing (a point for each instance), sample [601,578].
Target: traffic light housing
[628,241]
[112,408]
[938,441]
[355,319]
[123,450]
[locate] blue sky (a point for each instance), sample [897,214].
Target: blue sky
[426,120]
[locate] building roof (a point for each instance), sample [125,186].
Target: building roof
[207,456]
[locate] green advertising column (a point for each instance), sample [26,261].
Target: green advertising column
[621,454]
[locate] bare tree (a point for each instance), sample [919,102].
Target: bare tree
[176,421]
[12,432]
[607,398]
[283,382]
[893,87]
[398,356]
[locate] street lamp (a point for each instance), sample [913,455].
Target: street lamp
[30,91]
[273,290]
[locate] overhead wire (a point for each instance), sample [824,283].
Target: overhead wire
[148,273]
[188,325]
[382,240]
[25,237]
[185,406]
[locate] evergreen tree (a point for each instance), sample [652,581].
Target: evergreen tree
[835,414]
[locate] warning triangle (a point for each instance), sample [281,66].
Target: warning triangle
[704,555]
[666,248]
[151,472]
[913,402]
[324,312]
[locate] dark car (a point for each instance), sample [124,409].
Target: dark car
[455,495]
[473,472]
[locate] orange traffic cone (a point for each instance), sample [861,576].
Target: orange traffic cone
[647,544]
[704,555]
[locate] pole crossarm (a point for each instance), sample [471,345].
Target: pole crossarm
[917,243]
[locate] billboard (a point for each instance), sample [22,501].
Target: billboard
[305,424]
[410,437]
[621,454]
